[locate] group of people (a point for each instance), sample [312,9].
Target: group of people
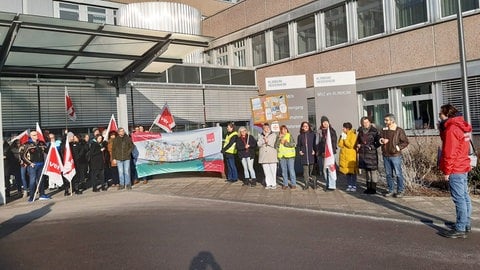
[99,162]
[358,150]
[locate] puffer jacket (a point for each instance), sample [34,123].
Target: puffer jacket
[348,155]
[368,140]
[455,146]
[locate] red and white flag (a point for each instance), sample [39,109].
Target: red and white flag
[69,109]
[40,134]
[22,137]
[165,119]
[112,126]
[53,167]
[329,162]
[69,170]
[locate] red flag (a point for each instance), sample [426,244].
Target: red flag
[165,119]
[69,170]
[70,110]
[53,167]
[329,161]
[112,126]
[23,137]
[40,134]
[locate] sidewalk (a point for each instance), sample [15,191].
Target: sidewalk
[429,210]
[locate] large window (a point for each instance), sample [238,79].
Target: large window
[336,26]
[69,11]
[222,56]
[449,7]
[259,49]
[281,47]
[370,17]
[239,56]
[96,15]
[417,107]
[410,12]
[375,106]
[306,38]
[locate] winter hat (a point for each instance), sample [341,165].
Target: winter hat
[323,119]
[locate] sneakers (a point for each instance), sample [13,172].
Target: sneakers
[30,200]
[388,194]
[120,187]
[453,234]
[129,187]
[351,189]
[271,187]
[399,195]
[44,197]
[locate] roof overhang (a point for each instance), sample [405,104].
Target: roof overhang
[49,46]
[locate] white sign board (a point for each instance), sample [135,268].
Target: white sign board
[334,79]
[286,82]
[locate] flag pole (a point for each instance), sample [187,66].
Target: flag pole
[66,109]
[43,173]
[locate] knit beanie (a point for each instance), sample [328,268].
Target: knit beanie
[323,119]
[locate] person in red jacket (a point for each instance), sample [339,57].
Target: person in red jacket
[455,133]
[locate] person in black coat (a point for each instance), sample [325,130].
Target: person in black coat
[246,145]
[98,161]
[79,152]
[368,140]
[306,150]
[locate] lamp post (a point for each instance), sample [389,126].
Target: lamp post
[463,64]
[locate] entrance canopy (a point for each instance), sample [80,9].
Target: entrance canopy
[50,46]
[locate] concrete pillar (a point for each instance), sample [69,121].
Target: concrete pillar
[122,111]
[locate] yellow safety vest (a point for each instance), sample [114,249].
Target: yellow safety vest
[286,152]
[233,148]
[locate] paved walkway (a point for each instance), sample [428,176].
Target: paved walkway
[429,210]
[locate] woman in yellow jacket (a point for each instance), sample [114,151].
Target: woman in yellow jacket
[348,156]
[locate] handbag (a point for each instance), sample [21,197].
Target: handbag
[472,154]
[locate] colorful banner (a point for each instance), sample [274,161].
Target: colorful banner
[197,150]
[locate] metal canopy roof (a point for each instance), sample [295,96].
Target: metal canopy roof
[43,45]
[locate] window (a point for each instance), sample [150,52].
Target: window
[449,7]
[417,107]
[335,26]
[281,47]
[69,11]
[239,57]
[259,50]
[222,56]
[96,15]
[370,17]
[184,74]
[215,76]
[375,106]
[410,12]
[306,38]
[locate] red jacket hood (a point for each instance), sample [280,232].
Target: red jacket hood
[459,122]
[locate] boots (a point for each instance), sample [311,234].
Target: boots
[246,182]
[253,182]
[373,188]
[307,183]
[369,188]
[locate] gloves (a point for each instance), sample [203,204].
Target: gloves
[344,136]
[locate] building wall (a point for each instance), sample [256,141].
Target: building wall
[246,13]
[431,46]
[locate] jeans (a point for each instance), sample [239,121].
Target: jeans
[351,179]
[288,167]
[394,164]
[34,176]
[23,175]
[461,198]
[232,174]
[248,170]
[123,167]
